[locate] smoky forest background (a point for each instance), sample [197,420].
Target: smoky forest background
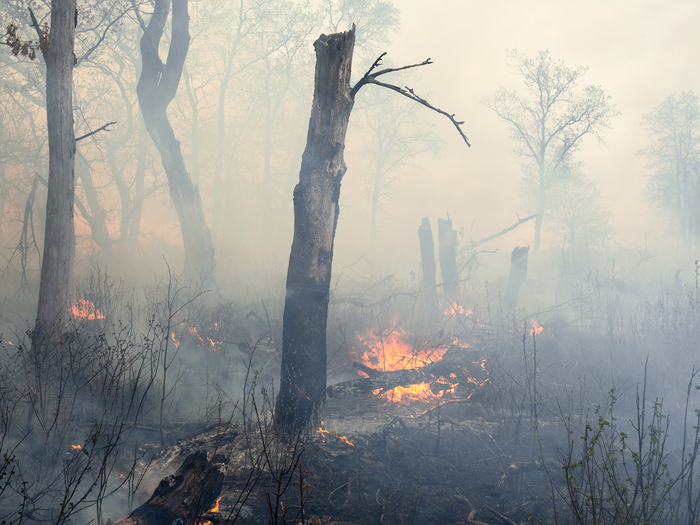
[349,261]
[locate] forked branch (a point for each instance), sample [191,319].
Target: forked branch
[371,78]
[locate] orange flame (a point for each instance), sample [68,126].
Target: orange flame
[215,508]
[85,309]
[536,329]
[391,352]
[214,344]
[76,447]
[457,309]
[345,440]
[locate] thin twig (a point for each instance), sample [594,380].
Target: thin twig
[96,131]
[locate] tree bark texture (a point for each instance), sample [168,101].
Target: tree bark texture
[316,196]
[185,495]
[54,286]
[156,88]
[448,260]
[427,254]
[518,274]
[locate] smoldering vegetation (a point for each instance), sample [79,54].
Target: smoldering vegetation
[586,410]
[466,384]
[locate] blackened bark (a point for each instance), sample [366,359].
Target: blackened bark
[183,496]
[56,263]
[447,238]
[316,211]
[427,254]
[156,88]
[518,274]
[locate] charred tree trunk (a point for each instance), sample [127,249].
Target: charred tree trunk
[427,254]
[156,89]
[316,211]
[56,263]
[184,496]
[448,260]
[518,274]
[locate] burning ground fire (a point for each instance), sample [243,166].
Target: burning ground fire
[391,352]
[84,309]
[192,330]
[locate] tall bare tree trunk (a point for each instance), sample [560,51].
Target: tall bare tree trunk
[315,219]
[156,88]
[56,263]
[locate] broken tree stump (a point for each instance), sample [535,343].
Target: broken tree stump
[185,495]
[518,274]
[427,255]
[447,238]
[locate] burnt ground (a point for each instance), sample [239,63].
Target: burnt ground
[446,466]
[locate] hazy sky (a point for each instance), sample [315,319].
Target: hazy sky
[638,52]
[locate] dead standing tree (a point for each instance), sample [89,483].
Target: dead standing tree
[303,381]
[156,88]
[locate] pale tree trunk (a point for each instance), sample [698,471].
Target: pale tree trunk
[316,211]
[427,253]
[447,238]
[56,263]
[518,275]
[156,89]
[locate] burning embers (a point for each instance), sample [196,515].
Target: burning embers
[84,309]
[403,372]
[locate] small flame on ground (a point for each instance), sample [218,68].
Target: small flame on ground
[214,344]
[76,447]
[84,309]
[345,440]
[9,343]
[322,432]
[215,508]
[457,309]
[536,328]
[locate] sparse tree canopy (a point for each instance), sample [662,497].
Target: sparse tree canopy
[674,161]
[578,218]
[550,120]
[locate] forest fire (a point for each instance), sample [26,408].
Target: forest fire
[84,309]
[391,352]
[213,510]
[536,328]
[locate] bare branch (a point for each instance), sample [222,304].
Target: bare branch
[96,131]
[495,235]
[409,93]
[368,78]
[35,23]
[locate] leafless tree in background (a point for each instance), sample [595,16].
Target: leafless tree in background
[550,120]
[156,89]
[674,162]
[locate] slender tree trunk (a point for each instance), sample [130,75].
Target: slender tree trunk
[156,89]
[96,217]
[447,238]
[139,193]
[56,264]
[427,252]
[316,211]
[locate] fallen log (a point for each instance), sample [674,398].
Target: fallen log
[185,495]
[458,367]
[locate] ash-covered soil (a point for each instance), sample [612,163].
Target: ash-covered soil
[373,463]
